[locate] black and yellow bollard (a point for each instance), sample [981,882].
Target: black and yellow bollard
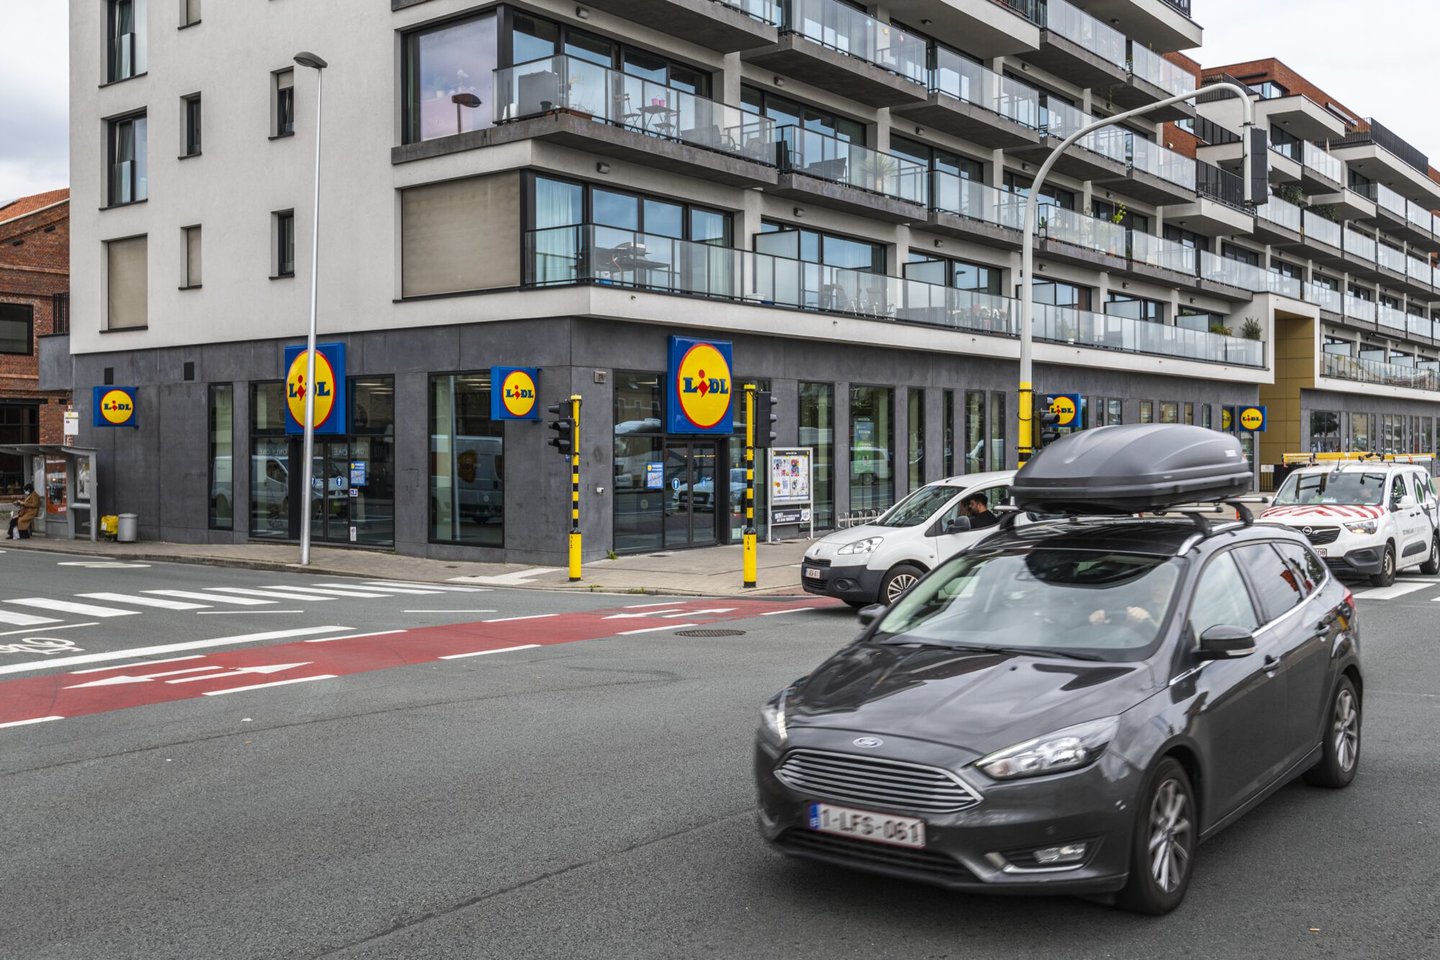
[749,561]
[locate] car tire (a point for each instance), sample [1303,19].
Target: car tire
[1386,576]
[1340,756]
[901,577]
[1432,565]
[1162,851]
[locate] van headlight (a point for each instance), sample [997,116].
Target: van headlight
[1363,526]
[867,545]
[1067,749]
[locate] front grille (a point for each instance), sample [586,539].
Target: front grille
[874,854]
[810,562]
[873,781]
[1322,534]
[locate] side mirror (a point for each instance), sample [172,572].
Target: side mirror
[958,525]
[1407,502]
[1224,642]
[870,614]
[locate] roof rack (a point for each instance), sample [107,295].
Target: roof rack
[1315,459]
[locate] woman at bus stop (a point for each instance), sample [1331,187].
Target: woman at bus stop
[29,509]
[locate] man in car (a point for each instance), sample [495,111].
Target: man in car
[977,508]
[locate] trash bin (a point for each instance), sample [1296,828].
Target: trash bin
[125,532]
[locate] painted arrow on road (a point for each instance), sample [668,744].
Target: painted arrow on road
[208,671]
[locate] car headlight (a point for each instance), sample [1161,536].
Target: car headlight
[861,546]
[1067,749]
[1363,526]
[772,715]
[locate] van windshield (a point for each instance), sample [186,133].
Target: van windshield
[918,507]
[1346,486]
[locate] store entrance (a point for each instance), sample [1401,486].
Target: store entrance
[694,489]
[330,491]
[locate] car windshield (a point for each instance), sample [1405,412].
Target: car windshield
[918,507]
[1344,486]
[1087,604]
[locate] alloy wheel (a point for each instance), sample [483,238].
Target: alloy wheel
[1170,831]
[1346,730]
[898,585]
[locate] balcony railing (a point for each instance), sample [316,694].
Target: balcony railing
[1182,5]
[1166,254]
[581,87]
[1218,184]
[976,200]
[1359,245]
[1321,162]
[1419,216]
[825,157]
[1417,326]
[1060,120]
[610,257]
[1077,229]
[1160,162]
[1322,230]
[1378,371]
[1384,196]
[60,313]
[1390,258]
[1080,28]
[1150,66]
[1384,138]
[1285,286]
[1392,317]
[847,30]
[1324,297]
[966,80]
[1419,270]
[1359,309]
[1236,273]
[764,10]
[1281,213]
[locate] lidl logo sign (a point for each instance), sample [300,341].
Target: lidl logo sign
[1252,419]
[1067,405]
[328,388]
[701,386]
[514,392]
[115,407]
[1227,418]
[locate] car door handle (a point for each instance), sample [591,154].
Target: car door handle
[1271,664]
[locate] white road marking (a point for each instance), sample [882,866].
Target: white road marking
[240,613]
[99,564]
[668,613]
[24,619]
[417,590]
[210,597]
[449,611]
[275,683]
[22,723]
[668,626]
[533,616]
[427,586]
[776,613]
[120,678]
[66,606]
[513,579]
[68,626]
[481,653]
[641,606]
[142,663]
[1391,592]
[353,636]
[143,601]
[330,594]
[243,671]
[169,648]
[274,594]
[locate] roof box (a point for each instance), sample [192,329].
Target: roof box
[1132,469]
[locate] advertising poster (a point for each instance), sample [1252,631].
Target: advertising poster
[790,475]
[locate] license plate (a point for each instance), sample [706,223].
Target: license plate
[1322,551]
[867,825]
[814,573]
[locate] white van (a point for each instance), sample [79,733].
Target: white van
[1364,517]
[882,559]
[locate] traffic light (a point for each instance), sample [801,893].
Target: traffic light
[564,427]
[1049,428]
[1256,174]
[765,417]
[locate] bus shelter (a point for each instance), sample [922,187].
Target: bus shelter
[65,478]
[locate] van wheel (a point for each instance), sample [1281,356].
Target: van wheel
[1386,576]
[897,581]
[1432,566]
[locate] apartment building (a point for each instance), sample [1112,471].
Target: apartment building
[833,190]
[34,304]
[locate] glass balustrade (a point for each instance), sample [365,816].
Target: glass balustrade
[1067,226]
[825,157]
[850,31]
[1105,331]
[1390,258]
[1321,162]
[1246,276]
[765,10]
[1323,297]
[1378,371]
[1358,309]
[1417,326]
[567,83]
[1321,230]
[1419,216]
[1388,316]
[966,80]
[1150,66]
[1281,213]
[1081,28]
[1158,161]
[1060,120]
[1285,286]
[1166,254]
[1386,198]
[1359,245]
[1417,269]
[976,200]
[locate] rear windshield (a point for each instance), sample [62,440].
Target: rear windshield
[1088,604]
[1346,486]
[918,507]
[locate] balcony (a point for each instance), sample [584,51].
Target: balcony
[1286,286]
[727,26]
[1389,205]
[1391,262]
[1391,318]
[1153,78]
[1081,239]
[1418,326]
[1325,298]
[1158,24]
[971,210]
[1419,226]
[1380,372]
[1318,169]
[1160,254]
[1359,309]
[610,257]
[973,102]
[1420,272]
[578,104]
[1235,274]
[1156,175]
[1278,221]
[1377,153]
[1100,153]
[1360,247]
[843,50]
[818,168]
[1077,46]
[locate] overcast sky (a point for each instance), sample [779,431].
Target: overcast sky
[1379,57]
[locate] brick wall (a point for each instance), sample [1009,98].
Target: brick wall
[34,268]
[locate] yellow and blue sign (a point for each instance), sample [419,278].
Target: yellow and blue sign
[514,393]
[1067,406]
[1227,419]
[115,407]
[1252,419]
[329,388]
[701,386]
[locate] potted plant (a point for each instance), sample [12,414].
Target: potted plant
[1218,327]
[1250,329]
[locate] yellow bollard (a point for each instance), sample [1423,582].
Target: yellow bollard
[749,562]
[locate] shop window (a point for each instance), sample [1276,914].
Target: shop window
[948,402]
[915,448]
[639,494]
[1147,411]
[872,446]
[1189,410]
[467,462]
[1169,411]
[998,427]
[1325,431]
[269,462]
[222,456]
[817,431]
[975,459]
[367,469]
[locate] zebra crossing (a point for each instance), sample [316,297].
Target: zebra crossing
[1404,588]
[26,612]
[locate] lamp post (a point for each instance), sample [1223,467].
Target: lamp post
[463,100]
[307,477]
[1027,238]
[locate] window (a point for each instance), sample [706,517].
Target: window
[284,231]
[129,160]
[467,462]
[442,65]
[1115,411]
[791,113]
[1309,571]
[1205,416]
[1240,254]
[127,283]
[817,430]
[960,274]
[1136,308]
[222,456]
[997,430]
[282,121]
[872,440]
[1324,431]
[1051,194]
[1147,411]
[269,461]
[975,458]
[459,235]
[948,401]
[1189,409]
[19,423]
[915,449]
[1221,598]
[1058,294]
[17,328]
[190,124]
[1120,214]
[369,458]
[192,258]
[639,454]
[126,53]
[1276,585]
[1169,411]
[189,12]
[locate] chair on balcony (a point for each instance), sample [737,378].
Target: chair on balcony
[827,169]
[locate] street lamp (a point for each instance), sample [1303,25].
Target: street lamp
[463,100]
[1027,239]
[307,477]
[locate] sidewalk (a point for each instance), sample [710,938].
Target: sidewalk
[705,572]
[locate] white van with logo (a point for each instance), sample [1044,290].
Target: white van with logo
[1364,517]
[877,562]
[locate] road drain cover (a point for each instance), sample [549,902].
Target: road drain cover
[709,633]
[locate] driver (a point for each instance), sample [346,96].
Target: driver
[977,508]
[1144,614]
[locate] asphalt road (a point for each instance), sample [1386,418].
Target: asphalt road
[592,799]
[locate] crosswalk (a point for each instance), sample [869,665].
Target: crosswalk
[1403,588]
[24,612]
